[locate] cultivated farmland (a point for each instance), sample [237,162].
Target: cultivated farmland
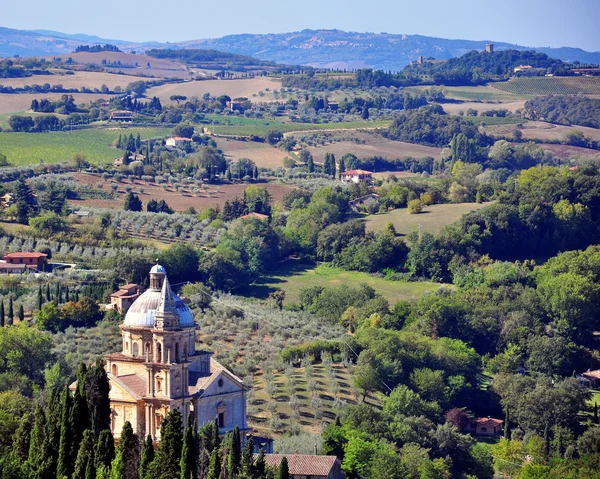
[551,86]
[263,154]
[15,103]
[539,130]
[234,88]
[432,220]
[78,80]
[59,146]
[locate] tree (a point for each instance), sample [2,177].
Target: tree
[132,202]
[147,456]
[48,224]
[79,161]
[415,207]
[105,450]
[166,464]
[182,130]
[198,294]
[365,113]
[181,262]
[24,200]
[2,320]
[214,468]
[233,457]
[366,376]
[65,459]
[126,462]
[188,463]
[283,472]
[97,389]
[85,456]
[22,438]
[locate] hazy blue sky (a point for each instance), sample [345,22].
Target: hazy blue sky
[526,22]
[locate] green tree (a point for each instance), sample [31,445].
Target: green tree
[166,465]
[214,467]
[233,457]
[11,311]
[65,459]
[2,320]
[22,438]
[181,262]
[366,376]
[105,450]
[284,471]
[24,200]
[85,456]
[132,202]
[147,456]
[188,463]
[126,463]
[97,389]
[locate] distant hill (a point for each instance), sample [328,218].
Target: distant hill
[319,48]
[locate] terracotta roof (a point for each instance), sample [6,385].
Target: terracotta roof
[26,255]
[122,293]
[258,216]
[592,374]
[133,383]
[179,138]
[483,421]
[357,172]
[303,464]
[17,266]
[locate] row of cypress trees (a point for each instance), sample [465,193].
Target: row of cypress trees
[8,320]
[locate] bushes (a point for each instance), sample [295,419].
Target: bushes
[315,349]
[415,207]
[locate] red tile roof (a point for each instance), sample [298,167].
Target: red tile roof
[258,216]
[179,138]
[488,421]
[301,464]
[26,255]
[357,172]
[592,374]
[134,383]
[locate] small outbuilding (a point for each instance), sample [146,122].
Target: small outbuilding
[303,466]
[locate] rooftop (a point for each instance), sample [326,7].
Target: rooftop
[303,464]
[26,255]
[258,216]
[357,172]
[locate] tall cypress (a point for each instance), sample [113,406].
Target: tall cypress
[284,470]
[21,313]
[247,461]
[85,455]
[233,458]
[64,466]
[260,465]
[22,438]
[11,311]
[38,435]
[79,418]
[2,320]
[188,462]
[214,467]
[127,459]
[147,456]
[105,450]
[52,439]
[595,413]
[507,424]
[40,299]
[97,389]
[66,294]
[171,442]
[48,295]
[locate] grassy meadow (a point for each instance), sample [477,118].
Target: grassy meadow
[59,146]
[432,219]
[295,277]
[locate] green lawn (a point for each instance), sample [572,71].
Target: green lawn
[432,219]
[59,146]
[298,276]
[494,120]
[232,125]
[477,93]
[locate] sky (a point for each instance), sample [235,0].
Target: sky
[535,23]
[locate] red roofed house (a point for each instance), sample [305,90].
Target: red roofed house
[19,262]
[486,426]
[177,141]
[303,466]
[357,176]
[121,115]
[258,216]
[122,299]
[593,377]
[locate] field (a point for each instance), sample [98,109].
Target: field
[58,147]
[551,86]
[14,103]
[78,80]
[298,276]
[539,130]
[476,93]
[263,154]
[432,220]
[566,151]
[234,88]
[205,197]
[374,145]
[454,108]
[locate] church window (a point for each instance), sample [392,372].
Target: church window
[158,419]
[135,350]
[158,385]
[221,419]
[176,352]
[114,369]
[220,382]
[158,353]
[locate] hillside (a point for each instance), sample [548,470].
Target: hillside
[320,48]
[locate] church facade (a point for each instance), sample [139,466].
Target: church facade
[160,369]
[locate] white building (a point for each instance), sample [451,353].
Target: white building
[357,176]
[177,141]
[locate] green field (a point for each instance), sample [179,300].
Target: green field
[551,85]
[59,146]
[432,219]
[231,125]
[474,93]
[296,277]
[495,120]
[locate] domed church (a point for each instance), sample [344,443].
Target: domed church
[160,368]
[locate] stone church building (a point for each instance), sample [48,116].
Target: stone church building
[160,369]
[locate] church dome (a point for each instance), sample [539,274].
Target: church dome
[142,312]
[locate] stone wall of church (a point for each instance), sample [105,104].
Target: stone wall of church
[232,405]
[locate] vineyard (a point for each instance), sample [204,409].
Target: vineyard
[551,86]
[167,228]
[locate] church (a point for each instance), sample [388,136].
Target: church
[160,369]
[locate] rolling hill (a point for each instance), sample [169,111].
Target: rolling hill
[319,48]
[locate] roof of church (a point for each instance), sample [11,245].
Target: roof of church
[143,310]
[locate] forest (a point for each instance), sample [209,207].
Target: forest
[565,110]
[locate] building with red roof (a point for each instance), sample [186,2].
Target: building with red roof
[302,466]
[357,176]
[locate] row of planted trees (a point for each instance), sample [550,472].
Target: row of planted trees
[69,437]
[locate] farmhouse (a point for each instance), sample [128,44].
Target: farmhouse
[522,68]
[121,115]
[593,377]
[357,176]
[485,426]
[16,263]
[303,466]
[258,216]
[160,369]
[135,157]
[176,141]
[121,300]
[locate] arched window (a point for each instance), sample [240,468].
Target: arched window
[147,349]
[176,352]
[114,369]
[158,353]
[135,350]
[185,351]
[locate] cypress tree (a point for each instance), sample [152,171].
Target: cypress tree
[22,438]
[127,460]
[215,439]
[310,164]
[507,424]
[40,301]
[48,295]
[2,321]
[171,441]
[147,456]
[595,413]
[66,294]
[188,463]
[97,389]
[79,417]
[233,458]
[247,460]
[284,471]
[21,313]
[58,294]
[65,460]
[214,467]
[105,450]
[260,466]
[11,311]
[38,435]
[85,455]
[52,434]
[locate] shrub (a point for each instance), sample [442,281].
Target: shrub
[415,207]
